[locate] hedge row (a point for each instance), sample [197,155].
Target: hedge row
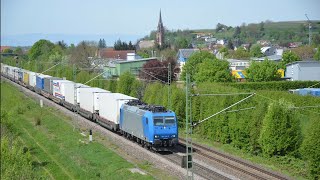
[273,85]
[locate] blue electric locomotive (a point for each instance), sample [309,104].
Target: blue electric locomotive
[152,126]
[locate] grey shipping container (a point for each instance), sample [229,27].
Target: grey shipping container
[48,84]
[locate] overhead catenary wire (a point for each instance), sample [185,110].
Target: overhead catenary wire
[51,68]
[195,124]
[303,107]
[227,94]
[154,77]
[243,109]
[314,85]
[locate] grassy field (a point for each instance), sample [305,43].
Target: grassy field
[57,150]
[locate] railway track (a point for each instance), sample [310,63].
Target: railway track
[240,165]
[199,169]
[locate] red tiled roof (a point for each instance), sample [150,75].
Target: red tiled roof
[2,48]
[114,54]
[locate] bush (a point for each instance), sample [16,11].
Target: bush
[280,133]
[310,149]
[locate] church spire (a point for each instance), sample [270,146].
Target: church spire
[160,32]
[160,19]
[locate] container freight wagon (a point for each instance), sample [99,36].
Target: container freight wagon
[16,74]
[48,86]
[32,80]
[152,126]
[40,82]
[78,86]
[64,93]
[4,69]
[20,76]
[109,109]
[89,101]
[26,78]
[12,71]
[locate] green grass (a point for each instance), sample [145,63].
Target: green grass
[59,152]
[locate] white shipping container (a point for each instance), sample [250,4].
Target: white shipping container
[3,66]
[110,104]
[16,73]
[62,89]
[32,79]
[12,71]
[79,85]
[89,98]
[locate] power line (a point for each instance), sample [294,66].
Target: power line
[314,85]
[243,109]
[303,107]
[229,94]
[195,124]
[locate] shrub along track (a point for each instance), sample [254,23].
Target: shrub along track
[237,164]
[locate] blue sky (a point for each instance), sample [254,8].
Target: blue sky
[139,17]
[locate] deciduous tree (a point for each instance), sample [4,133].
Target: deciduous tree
[255,51]
[125,83]
[41,49]
[213,70]
[288,57]
[82,54]
[263,71]
[193,61]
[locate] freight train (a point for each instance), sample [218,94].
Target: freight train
[154,127]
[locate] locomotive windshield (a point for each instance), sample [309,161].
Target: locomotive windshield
[158,121]
[169,120]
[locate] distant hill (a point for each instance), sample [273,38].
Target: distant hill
[279,32]
[30,39]
[276,26]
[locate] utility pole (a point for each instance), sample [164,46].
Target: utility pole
[310,32]
[189,148]
[169,86]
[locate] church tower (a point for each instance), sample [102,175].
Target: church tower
[160,32]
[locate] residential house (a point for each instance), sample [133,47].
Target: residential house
[237,64]
[221,42]
[111,54]
[294,44]
[117,68]
[184,54]
[264,43]
[268,50]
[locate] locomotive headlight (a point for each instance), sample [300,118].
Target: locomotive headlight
[173,135]
[156,136]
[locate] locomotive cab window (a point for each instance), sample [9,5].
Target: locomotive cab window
[169,120]
[158,121]
[146,120]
